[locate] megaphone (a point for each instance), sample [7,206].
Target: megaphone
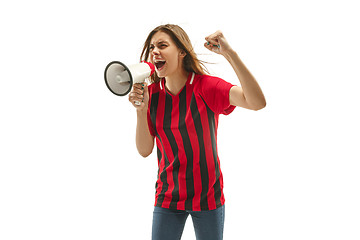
[119,78]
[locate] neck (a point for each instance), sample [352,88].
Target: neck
[176,81]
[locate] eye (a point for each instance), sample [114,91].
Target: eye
[151,47]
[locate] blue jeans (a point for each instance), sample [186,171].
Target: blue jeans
[169,224]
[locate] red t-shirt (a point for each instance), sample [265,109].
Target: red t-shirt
[185,129]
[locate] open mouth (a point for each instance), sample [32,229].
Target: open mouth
[159,65]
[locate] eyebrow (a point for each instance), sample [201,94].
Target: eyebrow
[160,42]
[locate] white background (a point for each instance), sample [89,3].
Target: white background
[69,167]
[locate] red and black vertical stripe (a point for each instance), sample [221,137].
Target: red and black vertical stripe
[189,175]
[183,105]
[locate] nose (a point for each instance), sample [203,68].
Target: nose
[156,51]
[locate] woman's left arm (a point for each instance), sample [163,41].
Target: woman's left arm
[249,95]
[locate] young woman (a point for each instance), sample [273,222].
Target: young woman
[180,111]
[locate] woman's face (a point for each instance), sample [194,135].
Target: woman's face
[165,55]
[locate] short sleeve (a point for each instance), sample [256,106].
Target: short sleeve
[215,92]
[149,122]
[151,111]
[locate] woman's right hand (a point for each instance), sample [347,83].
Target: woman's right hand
[139,94]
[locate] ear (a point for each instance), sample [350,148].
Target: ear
[182,53]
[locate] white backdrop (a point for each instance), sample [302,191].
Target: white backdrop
[69,167]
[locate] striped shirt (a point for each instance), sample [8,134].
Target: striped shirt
[185,129]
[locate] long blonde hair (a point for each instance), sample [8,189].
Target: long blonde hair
[190,62]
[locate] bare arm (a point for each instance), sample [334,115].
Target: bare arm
[144,140]
[249,95]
